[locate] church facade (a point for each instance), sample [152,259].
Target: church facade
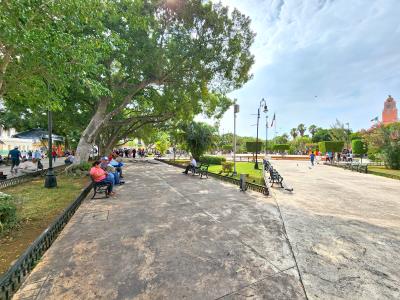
[389,113]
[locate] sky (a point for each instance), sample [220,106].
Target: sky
[317,61]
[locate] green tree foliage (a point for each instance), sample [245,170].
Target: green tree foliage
[385,139]
[312,129]
[294,133]
[130,63]
[280,139]
[162,143]
[301,128]
[359,147]
[338,132]
[41,49]
[321,135]
[301,142]
[330,146]
[198,137]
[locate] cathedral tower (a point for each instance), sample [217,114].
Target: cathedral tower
[389,114]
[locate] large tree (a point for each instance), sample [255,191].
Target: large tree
[171,58]
[301,128]
[293,133]
[198,138]
[128,64]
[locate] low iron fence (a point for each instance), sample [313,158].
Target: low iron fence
[13,278]
[361,168]
[252,186]
[27,177]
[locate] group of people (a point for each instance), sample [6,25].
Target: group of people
[131,152]
[108,170]
[30,163]
[346,156]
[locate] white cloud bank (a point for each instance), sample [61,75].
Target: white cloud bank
[347,53]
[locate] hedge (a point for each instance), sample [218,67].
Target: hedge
[212,160]
[359,147]
[330,146]
[281,147]
[251,146]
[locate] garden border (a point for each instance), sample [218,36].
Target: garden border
[252,186]
[13,278]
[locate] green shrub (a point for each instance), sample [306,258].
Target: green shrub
[391,155]
[227,167]
[212,160]
[281,147]
[8,211]
[330,146]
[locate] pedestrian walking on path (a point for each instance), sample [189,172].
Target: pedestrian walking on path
[312,158]
[15,156]
[54,155]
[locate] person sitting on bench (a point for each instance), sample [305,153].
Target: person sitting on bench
[99,175]
[191,165]
[105,165]
[28,166]
[117,163]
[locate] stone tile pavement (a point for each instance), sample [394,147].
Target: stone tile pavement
[169,236]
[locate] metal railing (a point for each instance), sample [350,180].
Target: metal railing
[13,278]
[27,177]
[252,186]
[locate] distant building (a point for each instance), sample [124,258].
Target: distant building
[8,142]
[27,140]
[389,114]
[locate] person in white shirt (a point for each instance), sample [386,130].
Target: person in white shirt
[192,165]
[28,166]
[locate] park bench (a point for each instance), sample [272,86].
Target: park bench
[99,188]
[275,177]
[201,170]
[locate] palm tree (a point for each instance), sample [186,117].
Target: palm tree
[312,129]
[301,128]
[293,133]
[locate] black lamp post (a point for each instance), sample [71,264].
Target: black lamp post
[265,109]
[51,179]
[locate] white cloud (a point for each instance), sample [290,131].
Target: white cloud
[344,52]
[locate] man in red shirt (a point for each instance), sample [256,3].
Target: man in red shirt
[99,175]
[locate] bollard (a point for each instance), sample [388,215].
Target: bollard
[243,186]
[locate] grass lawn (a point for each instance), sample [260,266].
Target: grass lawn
[382,171]
[37,207]
[255,176]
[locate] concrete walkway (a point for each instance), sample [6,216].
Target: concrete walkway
[344,227]
[169,236]
[45,162]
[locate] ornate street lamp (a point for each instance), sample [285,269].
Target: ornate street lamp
[263,104]
[235,111]
[51,179]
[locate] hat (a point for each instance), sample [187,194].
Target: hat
[16,147]
[104,158]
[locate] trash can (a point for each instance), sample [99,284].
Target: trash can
[242,185]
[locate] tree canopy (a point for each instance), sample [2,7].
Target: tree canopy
[123,65]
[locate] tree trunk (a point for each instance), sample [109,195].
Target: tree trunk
[89,134]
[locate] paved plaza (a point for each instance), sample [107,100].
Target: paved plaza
[170,236]
[344,228]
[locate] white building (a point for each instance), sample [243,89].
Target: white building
[7,142]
